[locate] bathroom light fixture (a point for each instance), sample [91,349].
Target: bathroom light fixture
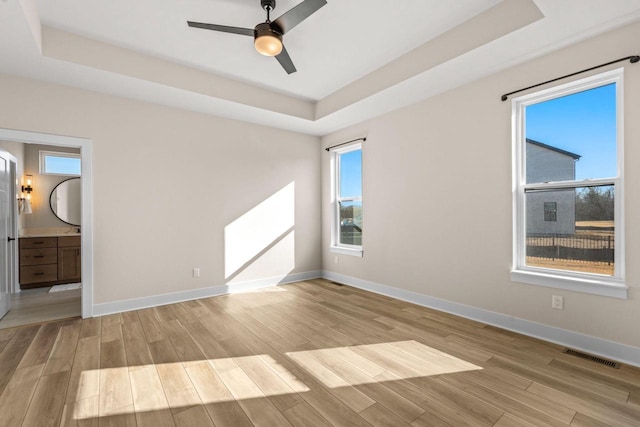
[28,179]
[24,201]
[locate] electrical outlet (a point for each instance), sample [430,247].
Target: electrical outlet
[557,302]
[196,272]
[336,259]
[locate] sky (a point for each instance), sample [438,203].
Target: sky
[583,123]
[63,165]
[351,174]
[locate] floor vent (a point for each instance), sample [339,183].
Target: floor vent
[600,360]
[335,283]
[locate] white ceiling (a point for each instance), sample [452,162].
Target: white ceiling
[326,48]
[356,59]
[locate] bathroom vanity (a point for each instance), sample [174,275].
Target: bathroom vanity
[50,260]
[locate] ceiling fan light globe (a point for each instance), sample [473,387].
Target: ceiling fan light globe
[268,45]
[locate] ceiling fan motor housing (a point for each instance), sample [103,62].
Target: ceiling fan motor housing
[266,29]
[270,4]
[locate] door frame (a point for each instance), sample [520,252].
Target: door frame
[86,154]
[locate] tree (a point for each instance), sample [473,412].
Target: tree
[595,204]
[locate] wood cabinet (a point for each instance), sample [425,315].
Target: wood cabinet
[46,261]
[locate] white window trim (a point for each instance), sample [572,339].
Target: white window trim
[44,153]
[611,286]
[336,246]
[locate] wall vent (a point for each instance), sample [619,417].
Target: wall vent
[600,360]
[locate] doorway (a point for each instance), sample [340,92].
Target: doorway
[26,301]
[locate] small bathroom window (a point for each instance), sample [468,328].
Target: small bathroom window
[57,163]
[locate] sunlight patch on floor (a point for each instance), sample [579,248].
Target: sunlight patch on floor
[157,387]
[116,391]
[373,363]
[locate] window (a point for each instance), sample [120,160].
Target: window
[550,211]
[568,166]
[58,163]
[347,191]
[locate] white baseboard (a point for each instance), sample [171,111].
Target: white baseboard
[212,291]
[593,345]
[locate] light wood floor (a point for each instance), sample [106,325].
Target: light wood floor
[38,305]
[307,354]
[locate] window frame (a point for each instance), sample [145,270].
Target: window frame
[43,162]
[592,283]
[336,199]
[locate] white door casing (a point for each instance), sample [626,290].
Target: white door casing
[5,225]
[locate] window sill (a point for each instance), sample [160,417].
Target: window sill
[604,287]
[346,251]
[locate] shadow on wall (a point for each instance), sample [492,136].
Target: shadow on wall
[261,243]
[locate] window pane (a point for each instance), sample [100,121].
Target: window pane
[581,238]
[62,165]
[572,137]
[351,223]
[351,174]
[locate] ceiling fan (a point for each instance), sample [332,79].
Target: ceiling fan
[268,35]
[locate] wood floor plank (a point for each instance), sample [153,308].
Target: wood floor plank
[500,401]
[180,392]
[538,403]
[135,345]
[351,396]
[64,349]
[277,391]
[508,420]
[85,373]
[91,327]
[378,416]
[41,346]
[81,414]
[162,352]
[581,420]
[303,415]
[151,325]
[115,394]
[14,351]
[7,334]
[149,400]
[249,396]
[126,419]
[583,386]
[185,347]
[218,400]
[47,403]
[605,412]
[193,416]
[382,395]
[206,341]
[16,397]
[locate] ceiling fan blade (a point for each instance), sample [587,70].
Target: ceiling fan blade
[298,14]
[285,60]
[223,28]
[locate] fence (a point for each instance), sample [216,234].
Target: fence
[587,248]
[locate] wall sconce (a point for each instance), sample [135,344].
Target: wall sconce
[24,202]
[28,188]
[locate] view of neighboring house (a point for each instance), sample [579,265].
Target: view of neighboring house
[550,212]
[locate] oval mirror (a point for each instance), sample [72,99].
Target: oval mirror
[65,201]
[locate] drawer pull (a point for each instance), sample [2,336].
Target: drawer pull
[38,256]
[38,243]
[38,274]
